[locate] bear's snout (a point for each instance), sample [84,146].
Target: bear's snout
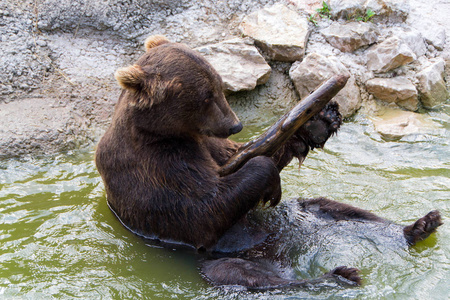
[236,128]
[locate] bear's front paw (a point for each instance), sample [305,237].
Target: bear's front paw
[316,131]
[346,275]
[272,194]
[423,227]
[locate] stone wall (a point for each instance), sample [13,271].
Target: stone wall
[57,89]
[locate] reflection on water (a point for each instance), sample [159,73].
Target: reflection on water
[58,238]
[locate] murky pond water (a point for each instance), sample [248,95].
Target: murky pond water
[59,239]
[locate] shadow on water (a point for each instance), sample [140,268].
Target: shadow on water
[59,239]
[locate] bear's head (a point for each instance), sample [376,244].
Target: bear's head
[174,90]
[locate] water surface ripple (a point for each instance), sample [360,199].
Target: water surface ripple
[59,239]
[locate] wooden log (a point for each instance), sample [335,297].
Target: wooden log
[272,140]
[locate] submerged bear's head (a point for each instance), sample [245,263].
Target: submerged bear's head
[177,91]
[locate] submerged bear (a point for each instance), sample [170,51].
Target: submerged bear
[160,161]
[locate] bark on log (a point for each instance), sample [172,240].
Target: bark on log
[271,140]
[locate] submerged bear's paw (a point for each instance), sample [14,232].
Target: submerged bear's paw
[423,227]
[346,275]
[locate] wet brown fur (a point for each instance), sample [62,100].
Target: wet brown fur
[160,157]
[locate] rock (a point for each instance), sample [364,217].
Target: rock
[69,50]
[77,58]
[314,70]
[346,9]
[397,90]
[21,62]
[351,36]
[385,10]
[265,104]
[125,18]
[396,124]
[391,10]
[43,128]
[431,85]
[239,64]
[388,55]
[433,32]
[308,6]
[413,38]
[279,31]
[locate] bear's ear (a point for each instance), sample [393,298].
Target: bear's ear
[148,88]
[155,41]
[131,77]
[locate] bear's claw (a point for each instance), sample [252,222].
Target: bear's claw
[316,131]
[423,227]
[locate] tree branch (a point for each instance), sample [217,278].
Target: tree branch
[272,140]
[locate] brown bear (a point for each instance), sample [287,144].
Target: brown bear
[160,161]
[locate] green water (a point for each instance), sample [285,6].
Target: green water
[58,238]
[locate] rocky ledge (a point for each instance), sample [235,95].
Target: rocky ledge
[57,89]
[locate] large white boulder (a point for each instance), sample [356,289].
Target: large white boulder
[413,38]
[433,31]
[281,32]
[309,6]
[388,55]
[315,69]
[396,124]
[397,90]
[238,62]
[432,88]
[386,10]
[351,36]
